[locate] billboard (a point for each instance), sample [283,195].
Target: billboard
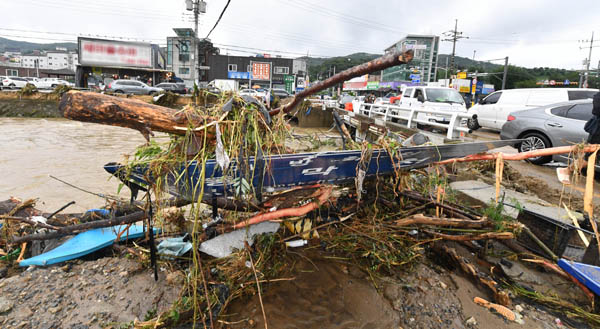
[110,53]
[261,71]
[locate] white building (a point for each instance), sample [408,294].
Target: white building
[73,60]
[57,60]
[29,61]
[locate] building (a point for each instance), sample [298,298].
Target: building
[101,60]
[423,68]
[274,72]
[57,59]
[33,61]
[187,57]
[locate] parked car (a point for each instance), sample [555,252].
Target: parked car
[281,93]
[178,88]
[47,83]
[259,93]
[345,99]
[34,81]
[432,98]
[14,82]
[387,99]
[492,111]
[2,77]
[559,124]
[132,87]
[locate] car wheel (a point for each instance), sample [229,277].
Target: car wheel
[473,124]
[12,86]
[535,141]
[53,86]
[118,91]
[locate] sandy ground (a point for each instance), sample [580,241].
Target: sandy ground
[84,294]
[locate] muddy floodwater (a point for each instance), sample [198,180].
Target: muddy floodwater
[33,149]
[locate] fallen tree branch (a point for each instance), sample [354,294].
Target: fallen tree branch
[30,222]
[436,221]
[471,237]
[525,155]
[74,229]
[453,211]
[501,297]
[377,64]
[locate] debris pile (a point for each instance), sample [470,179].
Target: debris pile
[216,190]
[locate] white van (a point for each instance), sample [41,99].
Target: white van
[492,111]
[433,98]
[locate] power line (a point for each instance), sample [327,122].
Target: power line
[219,19]
[332,14]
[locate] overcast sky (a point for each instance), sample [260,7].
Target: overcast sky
[531,32]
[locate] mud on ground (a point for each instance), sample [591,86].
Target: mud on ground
[334,294]
[84,294]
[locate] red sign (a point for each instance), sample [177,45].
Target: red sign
[261,71]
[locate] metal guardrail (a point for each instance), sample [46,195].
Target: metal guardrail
[410,117]
[325,102]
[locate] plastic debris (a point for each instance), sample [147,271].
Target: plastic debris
[174,247]
[224,244]
[296,243]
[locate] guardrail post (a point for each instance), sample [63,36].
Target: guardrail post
[410,118]
[385,114]
[453,134]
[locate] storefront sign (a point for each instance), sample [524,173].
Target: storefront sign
[110,53]
[238,75]
[261,71]
[372,85]
[462,85]
[289,83]
[461,75]
[487,89]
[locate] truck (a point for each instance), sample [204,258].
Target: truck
[224,84]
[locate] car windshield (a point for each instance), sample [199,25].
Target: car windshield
[444,96]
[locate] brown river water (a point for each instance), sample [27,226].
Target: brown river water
[33,149]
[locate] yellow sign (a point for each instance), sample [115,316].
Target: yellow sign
[461,75]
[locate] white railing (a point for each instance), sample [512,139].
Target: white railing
[411,117]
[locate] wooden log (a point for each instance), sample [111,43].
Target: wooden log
[126,112]
[471,237]
[436,221]
[501,297]
[377,64]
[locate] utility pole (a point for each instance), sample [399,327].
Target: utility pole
[505,72]
[446,72]
[453,35]
[474,51]
[589,60]
[197,7]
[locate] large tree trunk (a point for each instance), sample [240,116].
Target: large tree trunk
[135,114]
[126,112]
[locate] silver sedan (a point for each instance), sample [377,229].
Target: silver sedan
[559,124]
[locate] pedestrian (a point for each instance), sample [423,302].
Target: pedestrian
[592,127]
